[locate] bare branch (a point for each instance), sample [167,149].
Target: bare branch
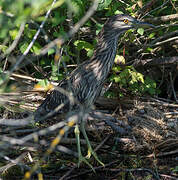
[159,20]
[33,40]
[76,27]
[156,61]
[14,44]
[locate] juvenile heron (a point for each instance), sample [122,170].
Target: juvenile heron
[86,81]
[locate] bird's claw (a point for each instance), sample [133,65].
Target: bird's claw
[90,150]
[90,153]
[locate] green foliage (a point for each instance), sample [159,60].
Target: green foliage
[84,45]
[78,7]
[64,14]
[57,19]
[14,12]
[133,81]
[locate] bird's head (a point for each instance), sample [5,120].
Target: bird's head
[120,23]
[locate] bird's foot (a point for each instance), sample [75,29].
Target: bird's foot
[92,152]
[81,158]
[90,149]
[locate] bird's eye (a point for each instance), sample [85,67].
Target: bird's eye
[126,21]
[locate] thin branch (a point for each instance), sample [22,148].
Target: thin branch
[172,17]
[13,162]
[19,122]
[33,40]
[162,5]
[172,86]
[174,33]
[146,7]
[76,27]
[163,42]
[21,76]
[156,43]
[156,61]
[14,44]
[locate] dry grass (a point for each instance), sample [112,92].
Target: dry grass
[152,136]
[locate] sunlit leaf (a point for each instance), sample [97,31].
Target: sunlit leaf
[36,48]
[118,12]
[151,35]
[103,4]
[23,46]
[140,31]
[119,59]
[43,85]
[149,49]
[51,51]
[13,33]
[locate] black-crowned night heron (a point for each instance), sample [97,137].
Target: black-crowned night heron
[86,81]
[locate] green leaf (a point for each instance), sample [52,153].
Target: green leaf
[43,83]
[149,49]
[78,7]
[43,62]
[58,18]
[99,27]
[90,52]
[51,51]
[3,48]
[13,33]
[117,69]
[84,45]
[150,82]
[151,35]
[151,91]
[110,94]
[30,33]
[117,79]
[140,77]
[61,32]
[23,46]
[123,81]
[36,48]
[130,9]
[103,4]
[118,12]
[140,31]
[175,170]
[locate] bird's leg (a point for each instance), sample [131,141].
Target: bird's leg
[90,150]
[80,157]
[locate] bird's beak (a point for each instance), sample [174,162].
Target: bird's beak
[139,24]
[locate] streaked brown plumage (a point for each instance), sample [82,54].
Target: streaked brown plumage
[86,81]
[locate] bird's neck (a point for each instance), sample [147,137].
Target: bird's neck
[104,55]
